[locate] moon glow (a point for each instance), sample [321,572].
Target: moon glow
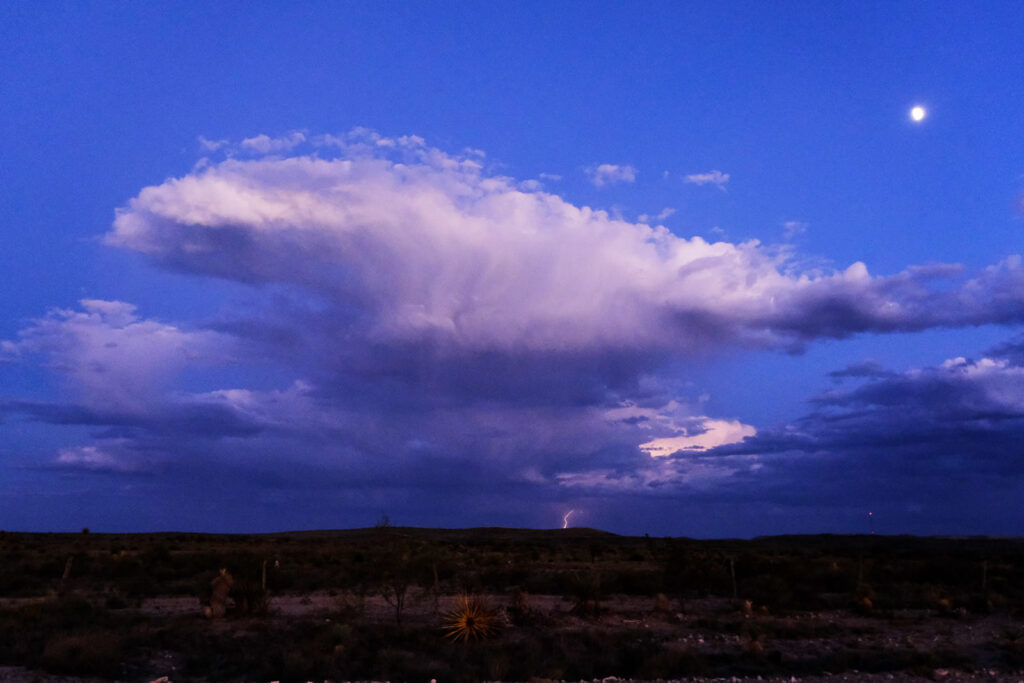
[918,113]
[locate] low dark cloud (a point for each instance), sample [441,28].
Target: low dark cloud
[918,442]
[868,368]
[1012,350]
[200,419]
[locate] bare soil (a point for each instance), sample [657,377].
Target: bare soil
[708,627]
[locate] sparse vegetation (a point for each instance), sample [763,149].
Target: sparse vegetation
[574,604]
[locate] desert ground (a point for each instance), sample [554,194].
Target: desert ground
[393,603]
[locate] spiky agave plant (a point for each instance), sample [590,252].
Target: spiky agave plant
[470,619]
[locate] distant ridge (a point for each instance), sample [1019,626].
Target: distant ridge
[484,533]
[820,541]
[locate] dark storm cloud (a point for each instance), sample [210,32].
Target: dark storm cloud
[1012,350]
[197,419]
[905,302]
[927,439]
[868,368]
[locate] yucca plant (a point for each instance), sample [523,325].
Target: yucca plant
[470,619]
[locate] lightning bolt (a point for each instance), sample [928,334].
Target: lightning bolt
[565,520]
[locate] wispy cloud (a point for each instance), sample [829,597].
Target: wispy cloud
[716,178]
[97,459]
[610,174]
[660,216]
[207,145]
[265,144]
[791,229]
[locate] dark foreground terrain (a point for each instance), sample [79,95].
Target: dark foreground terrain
[394,603]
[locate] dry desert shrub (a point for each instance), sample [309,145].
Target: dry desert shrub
[220,588]
[471,619]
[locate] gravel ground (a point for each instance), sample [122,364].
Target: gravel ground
[706,628]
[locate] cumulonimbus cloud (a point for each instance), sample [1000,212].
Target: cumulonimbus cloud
[421,309]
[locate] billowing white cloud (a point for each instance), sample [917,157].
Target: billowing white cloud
[683,430]
[109,357]
[430,247]
[610,174]
[714,433]
[716,178]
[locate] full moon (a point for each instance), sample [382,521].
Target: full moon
[918,113]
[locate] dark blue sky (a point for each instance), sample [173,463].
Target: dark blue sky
[684,269]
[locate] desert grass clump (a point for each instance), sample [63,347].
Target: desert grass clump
[471,619]
[864,599]
[661,605]
[584,591]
